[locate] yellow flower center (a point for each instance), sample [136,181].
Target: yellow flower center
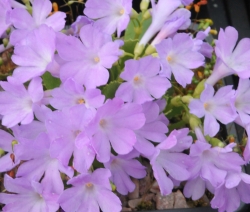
[80,101]
[122,11]
[206,106]
[89,185]
[97,59]
[103,123]
[169,59]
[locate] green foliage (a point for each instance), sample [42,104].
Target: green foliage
[110,89]
[131,32]
[50,82]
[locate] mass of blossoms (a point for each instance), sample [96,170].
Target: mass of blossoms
[85,103]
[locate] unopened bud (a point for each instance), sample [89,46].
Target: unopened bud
[1,61]
[176,101]
[138,50]
[26,1]
[244,141]
[5,42]
[231,138]
[144,5]
[112,186]
[133,14]
[146,15]
[199,88]
[13,143]
[150,50]
[194,121]
[186,99]
[138,30]
[209,21]
[70,2]
[8,31]
[237,149]
[215,142]
[1,152]
[213,32]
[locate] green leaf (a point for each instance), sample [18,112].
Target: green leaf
[110,89]
[50,82]
[129,46]
[130,32]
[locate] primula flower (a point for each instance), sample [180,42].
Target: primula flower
[154,129]
[232,60]
[88,60]
[5,7]
[122,167]
[160,13]
[177,57]
[79,23]
[212,164]
[35,56]
[143,81]
[30,196]
[236,189]
[66,129]
[111,15]
[89,192]
[219,106]
[70,93]
[16,103]
[115,123]
[178,20]
[242,100]
[168,157]
[40,164]
[25,23]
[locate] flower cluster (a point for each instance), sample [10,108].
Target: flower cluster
[85,104]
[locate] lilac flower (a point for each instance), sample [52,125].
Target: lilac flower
[115,123]
[218,106]
[88,60]
[66,129]
[36,55]
[143,81]
[25,23]
[154,129]
[111,15]
[79,23]
[177,57]
[236,189]
[232,60]
[179,19]
[212,164]
[203,47]
[5,7]
[242,103]
[6,162]
[40,164]
[168,157]
[16,103]
[30,196]
[160,14]
[122,167]
[89,192]
[246,153]
[71,93]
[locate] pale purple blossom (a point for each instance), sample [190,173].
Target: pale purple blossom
[35,55]
[25,23]
[16,103]
[122,167]
[27,196]
[232,59]
[79,23]
[70,93]
[110,15]
[168,157]
[88,61]
[177,56]
[90,191]
[218,106]
[5,7]
[115,123]
[142,81]
[178,20]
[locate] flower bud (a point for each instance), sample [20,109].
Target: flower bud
[186,99]
[1,152]
[138,49]
[176,101]
[144,5]
[1,61]
[133,14]
[150,50]
[146,15]
[199,88]
[194,121]
[112,186]
[215,142]
[5,42]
